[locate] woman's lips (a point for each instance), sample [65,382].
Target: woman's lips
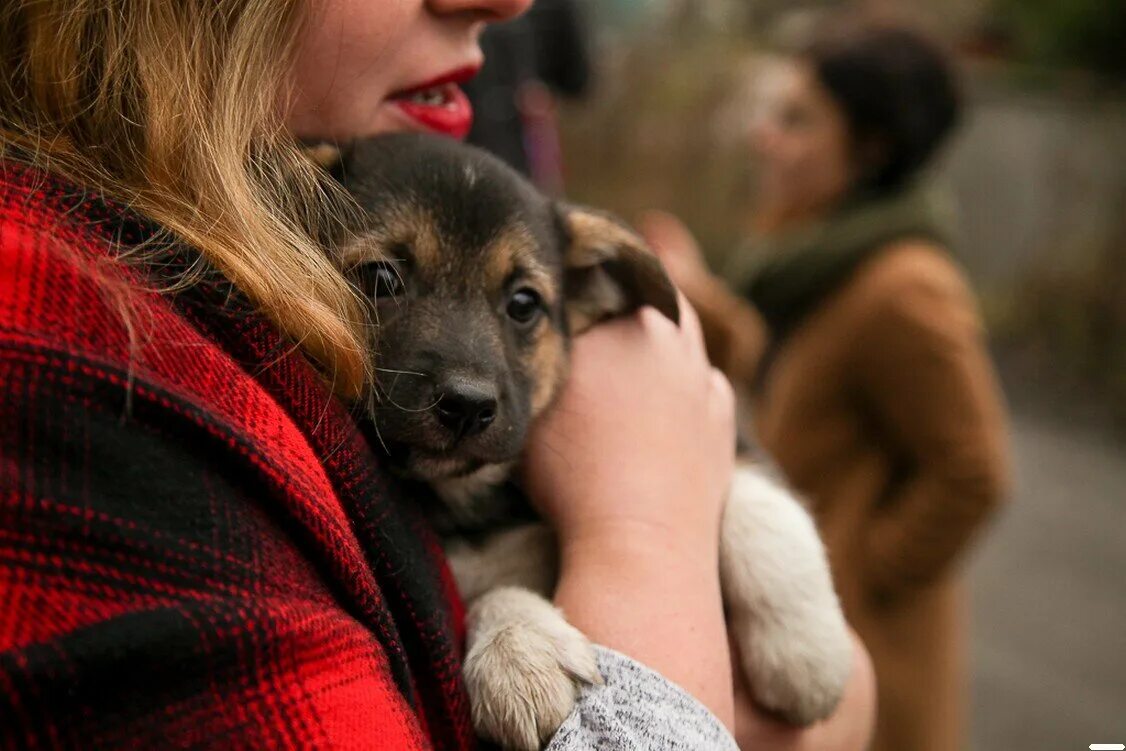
[445,110]
[439,105]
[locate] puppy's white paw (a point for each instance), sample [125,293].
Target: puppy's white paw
[784,614]
[797,671]
[524,667]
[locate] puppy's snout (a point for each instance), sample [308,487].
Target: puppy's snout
[466,408]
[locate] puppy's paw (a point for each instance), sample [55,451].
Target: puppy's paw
[797,671]
[794,644]
[524,667]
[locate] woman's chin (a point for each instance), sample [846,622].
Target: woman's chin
[390,118]
[387,118]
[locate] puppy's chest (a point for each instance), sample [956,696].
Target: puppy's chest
[472,512]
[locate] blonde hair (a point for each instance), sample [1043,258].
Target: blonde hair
[174,107]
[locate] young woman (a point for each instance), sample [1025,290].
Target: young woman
[197,545]
[863,352]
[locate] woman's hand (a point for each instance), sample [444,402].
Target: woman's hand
[632,466]
[641,441]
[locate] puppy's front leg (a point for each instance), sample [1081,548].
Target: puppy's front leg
[524,662]
[783,610]
[523,667]
[526,556]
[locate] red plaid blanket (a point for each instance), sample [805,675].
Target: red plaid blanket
[197,545]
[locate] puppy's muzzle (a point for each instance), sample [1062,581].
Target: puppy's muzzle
[466,407]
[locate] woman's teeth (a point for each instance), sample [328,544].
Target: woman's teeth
[430,97]
[442,108]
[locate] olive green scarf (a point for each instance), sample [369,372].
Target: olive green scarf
[788,275]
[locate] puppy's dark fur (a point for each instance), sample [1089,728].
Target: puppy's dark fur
[477,283]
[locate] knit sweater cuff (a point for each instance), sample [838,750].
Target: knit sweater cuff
[636,708]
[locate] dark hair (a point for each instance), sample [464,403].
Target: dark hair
[897,88]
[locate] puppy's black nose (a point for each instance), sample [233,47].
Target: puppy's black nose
[466,408]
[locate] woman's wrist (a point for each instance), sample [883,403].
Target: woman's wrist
[610,540]
[652,595]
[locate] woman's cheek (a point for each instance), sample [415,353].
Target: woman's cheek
[345,64]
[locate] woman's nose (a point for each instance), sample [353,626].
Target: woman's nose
[487,10]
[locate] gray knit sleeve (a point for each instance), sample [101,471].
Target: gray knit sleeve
[638,710]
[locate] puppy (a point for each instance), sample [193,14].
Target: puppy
[476,284]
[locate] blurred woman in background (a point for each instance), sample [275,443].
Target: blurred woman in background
[862,352]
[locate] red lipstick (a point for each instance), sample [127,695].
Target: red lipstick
[439,104]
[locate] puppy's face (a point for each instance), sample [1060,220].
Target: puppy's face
[476,283]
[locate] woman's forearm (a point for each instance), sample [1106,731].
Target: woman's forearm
[652,599]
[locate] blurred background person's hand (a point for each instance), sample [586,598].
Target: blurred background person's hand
[674,244]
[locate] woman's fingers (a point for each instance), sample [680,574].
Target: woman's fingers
[690,326]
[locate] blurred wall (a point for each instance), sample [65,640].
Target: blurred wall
[1041,180]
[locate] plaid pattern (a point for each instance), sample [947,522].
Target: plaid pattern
[197,546]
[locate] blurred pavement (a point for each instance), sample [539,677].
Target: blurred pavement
[1049,592]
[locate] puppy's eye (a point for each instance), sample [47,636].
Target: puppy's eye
[525,306]
[379,279]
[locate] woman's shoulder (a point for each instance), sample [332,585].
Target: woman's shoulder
[63,287]
[911,276]
[911,290]
[79,321]
[911,265]
[73,311]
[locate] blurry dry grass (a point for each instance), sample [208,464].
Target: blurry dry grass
[664,131]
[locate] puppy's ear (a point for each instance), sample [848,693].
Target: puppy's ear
[609,270]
